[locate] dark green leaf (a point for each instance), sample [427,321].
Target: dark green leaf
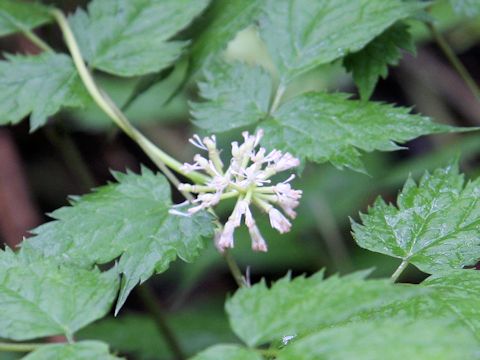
[16,15]
[434,226]
[129,219]
[130,38]
[295,307]
[230,352]
[39,298]
[238,95]
[385,339]
[302,34]
[222,21]
[79,351]
[370,63]
[40,85]
[324,127]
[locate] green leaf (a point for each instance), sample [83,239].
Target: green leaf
[221,22]
[129,219]
[294,307]
[129,38]
[78,351]
[17,15]
[238,95]
[470,8]
[230,352]
[370,63]
[40,298]
[303,34]
[38,85]
[324,127]
[385,339]
[452,296]
[434,226]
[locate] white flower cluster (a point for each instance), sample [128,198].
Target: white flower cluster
[247,179]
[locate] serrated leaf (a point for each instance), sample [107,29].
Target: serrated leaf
[16,15]
[434,226]
[296,307]
[303,34]
[230,352]
[385,339]
[324,127]
[40,298]
[452,296]
[38,85]
[221,22]
[470,8]
[79,351]
[371,63]
[129,219]
[237,95]
[130,38]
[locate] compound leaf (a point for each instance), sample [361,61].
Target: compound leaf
[434,226]
[296,307]
[129,38]
[16,15]
[129,219]
[238,95]
[385,339]
[38,85]
[302,34]
[40,298]
[328,127]
[370,63]
[230,352]
[78,351]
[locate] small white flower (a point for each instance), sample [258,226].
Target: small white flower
[246,178]
[287,338]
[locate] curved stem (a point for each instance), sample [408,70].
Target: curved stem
[278,97]
[30,35]
[234,268]
[454,61]
[158,156]
[403,265]
[19,347]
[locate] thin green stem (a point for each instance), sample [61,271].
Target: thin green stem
[278,97]
[158,156]
[234,268]
[30,35]
[15,347]
[151,304]
[454,61]
[403,265]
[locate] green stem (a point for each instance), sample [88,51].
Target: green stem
[158,156]
[278,97]
[148,298]
[14,347]
[234,268]
[454,61]
[403,265]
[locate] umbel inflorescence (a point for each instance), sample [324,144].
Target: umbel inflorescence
[247,179]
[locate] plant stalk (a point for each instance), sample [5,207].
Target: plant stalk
[234,268]
[455,61]
[158,156]
[19,347]
[403,265]
[148,298]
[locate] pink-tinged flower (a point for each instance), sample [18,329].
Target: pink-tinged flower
[247,178]
[279,221]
